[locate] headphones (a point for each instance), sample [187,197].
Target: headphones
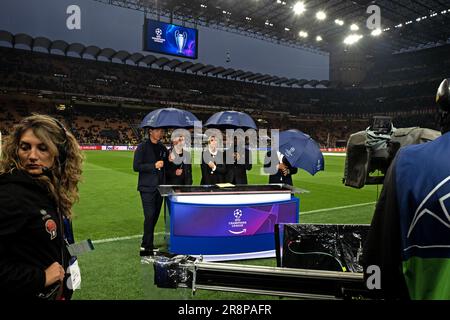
[62,148]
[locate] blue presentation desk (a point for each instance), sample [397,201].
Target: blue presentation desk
[227,223]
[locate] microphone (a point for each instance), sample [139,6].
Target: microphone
[161,155]
[46,171]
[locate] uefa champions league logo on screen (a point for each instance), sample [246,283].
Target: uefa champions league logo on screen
[180,39]
[158,38]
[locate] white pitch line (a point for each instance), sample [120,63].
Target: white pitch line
[301,213]
[338,208]
[116,239]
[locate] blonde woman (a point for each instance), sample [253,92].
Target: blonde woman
[40,168]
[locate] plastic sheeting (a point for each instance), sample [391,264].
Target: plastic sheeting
[160,272]
[323,246]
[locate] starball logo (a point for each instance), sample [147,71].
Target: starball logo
[289,152]
[238,225]
[158,38]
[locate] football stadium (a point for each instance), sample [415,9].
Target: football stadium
[336,93]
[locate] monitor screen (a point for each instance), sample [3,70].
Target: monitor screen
[381,125]
[332,247]
[170,39]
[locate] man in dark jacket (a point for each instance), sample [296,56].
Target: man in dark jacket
[237,169]
[284,170]
[149,160]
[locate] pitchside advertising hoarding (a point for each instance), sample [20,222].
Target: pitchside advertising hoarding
[170,39]
[109,148]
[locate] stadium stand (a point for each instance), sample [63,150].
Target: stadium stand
[104,101]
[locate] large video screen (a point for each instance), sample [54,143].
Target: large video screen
[170,39]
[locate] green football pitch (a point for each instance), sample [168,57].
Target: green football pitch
[109,213]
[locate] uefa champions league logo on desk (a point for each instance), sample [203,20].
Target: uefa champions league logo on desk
[237,214]
[180,39]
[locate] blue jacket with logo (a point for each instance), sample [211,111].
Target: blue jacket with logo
[410,234]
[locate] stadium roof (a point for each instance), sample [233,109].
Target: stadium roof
[407,24]
[78,49]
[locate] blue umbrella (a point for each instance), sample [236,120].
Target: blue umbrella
[230,119]
[301,151]
[169,118]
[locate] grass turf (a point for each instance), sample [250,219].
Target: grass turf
[110,207]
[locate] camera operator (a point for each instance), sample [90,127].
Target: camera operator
[409,238]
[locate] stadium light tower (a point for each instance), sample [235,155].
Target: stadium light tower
[299,8]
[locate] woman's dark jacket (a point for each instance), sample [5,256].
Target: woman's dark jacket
[31,236]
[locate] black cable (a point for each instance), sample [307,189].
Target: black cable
[343,268]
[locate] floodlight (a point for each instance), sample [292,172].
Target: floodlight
[321,15]
[299,8]
[376,32]
[303,34]
[352,39]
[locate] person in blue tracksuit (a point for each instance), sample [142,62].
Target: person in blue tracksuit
[409,238]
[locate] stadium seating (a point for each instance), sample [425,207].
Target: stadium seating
[104,102]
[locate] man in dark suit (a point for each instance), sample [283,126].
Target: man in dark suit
[179,167]
[149,160]
[240,163]
[284,170]
[213,167]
